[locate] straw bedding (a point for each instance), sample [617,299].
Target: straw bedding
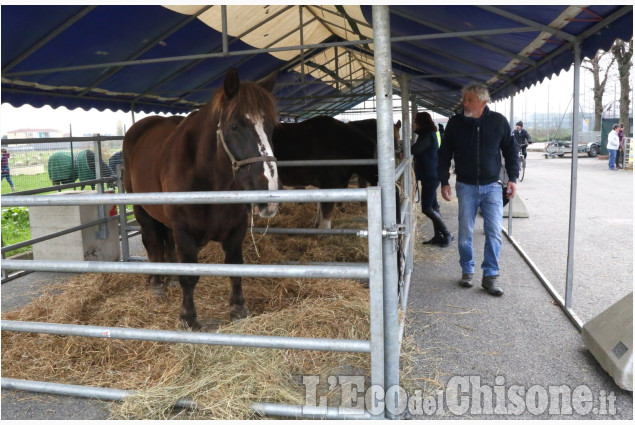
[223,381]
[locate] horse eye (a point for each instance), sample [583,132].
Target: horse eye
[234,127]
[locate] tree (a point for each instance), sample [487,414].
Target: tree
[623,54]
[594,65]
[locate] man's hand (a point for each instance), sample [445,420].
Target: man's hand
[446,192]
[511,190]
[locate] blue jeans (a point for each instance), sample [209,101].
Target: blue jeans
[612,156]
[489,198]
[8,177]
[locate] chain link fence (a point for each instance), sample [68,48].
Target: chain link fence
[35,164]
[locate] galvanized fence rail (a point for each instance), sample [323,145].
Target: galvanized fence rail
[371,271]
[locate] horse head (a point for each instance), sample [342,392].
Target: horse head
[245,127]
[396,129]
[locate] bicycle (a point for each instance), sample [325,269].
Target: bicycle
[522,163]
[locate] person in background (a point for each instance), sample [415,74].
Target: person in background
[6,171]
[440,132]
[424,151]
[613,145]
[619,159]
[522,138]
[475,139]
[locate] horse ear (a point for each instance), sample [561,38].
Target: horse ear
[269,82]
[232,83]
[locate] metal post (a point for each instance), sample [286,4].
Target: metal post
[510,205]
[223,11]
[413,111]
[301,21]
[101,209]
[4,274]
[123,218]
[408,185]
[375,271]
[574,174]
[386,168]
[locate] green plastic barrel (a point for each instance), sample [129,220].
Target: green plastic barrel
[60,168]
[85,163]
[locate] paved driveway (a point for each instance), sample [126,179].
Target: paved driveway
[516,353]
[603,251]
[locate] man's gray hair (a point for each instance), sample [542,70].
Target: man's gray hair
[480,90]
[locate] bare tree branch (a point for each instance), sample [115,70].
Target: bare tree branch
[623,54]
[599,84]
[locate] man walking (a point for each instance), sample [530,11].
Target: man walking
[475,140]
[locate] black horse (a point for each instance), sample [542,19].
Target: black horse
[322,138]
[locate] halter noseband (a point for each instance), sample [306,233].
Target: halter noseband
[237,164]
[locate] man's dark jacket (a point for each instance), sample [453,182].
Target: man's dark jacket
[521,136]
[476,145]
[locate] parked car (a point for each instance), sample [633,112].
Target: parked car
[593,148]
[562,147]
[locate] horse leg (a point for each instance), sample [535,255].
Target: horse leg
[170,253]
[187,252]
[153,237]
[325,211]
[233,247]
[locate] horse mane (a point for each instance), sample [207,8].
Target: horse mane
[251,99]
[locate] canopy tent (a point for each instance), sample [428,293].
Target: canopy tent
[171,58]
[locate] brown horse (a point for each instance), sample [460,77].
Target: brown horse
[223,146]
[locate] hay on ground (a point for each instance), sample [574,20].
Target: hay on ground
[222,380]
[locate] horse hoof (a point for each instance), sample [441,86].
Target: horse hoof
[237,312]
[159,290]
[187,326]
[324,224]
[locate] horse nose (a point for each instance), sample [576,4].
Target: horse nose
[267,210]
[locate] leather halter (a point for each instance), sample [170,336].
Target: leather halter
[237,164]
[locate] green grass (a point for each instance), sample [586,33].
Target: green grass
[15,220]
[29,182]
[16,228]
[26,182]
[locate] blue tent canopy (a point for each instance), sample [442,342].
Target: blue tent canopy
[171,58]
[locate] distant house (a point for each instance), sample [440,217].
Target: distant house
[36,133]
[33,133]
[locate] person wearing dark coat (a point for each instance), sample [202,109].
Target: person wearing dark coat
[522,138]
[424,151]
[476,139]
